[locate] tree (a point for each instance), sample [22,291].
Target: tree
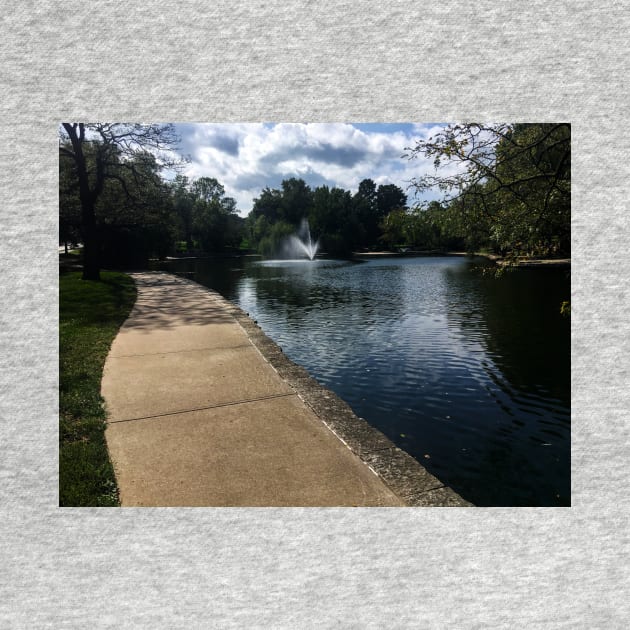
[371,207]
[367,213]
[514,178]
[339,220]
[215,222]
[333,220]
[268,205]
[102,152]
[183,202]
[297,199]
[206,214]
[288,207]
[276,235]
[134,214]
[390,197]
[534,163]
[395,228]
[207,189]
[69,206]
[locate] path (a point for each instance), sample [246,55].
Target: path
[197,416]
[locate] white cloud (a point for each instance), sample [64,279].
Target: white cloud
[247,157]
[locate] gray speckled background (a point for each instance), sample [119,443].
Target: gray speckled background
[327,61]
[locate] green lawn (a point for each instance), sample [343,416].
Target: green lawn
[90,314]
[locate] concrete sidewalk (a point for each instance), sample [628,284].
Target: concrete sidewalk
[198,417]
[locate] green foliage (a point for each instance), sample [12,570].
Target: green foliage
[395,229]
[389,198]
[110,172]
[183,202]
[90,314]
[372,206]
[340,221]
[367,213]
[134,214]
[271,243]
[510,184]
[333,219]
[297,199]
[289,205]
[268,206]
[276,214]
[206,215]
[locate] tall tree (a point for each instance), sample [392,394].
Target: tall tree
[390,197]
[333,220]
[183,202]
[134,214]
[367,213]
[69,205]
[103,151]
[297,199]
[267,205]
[215,222]
[207,188]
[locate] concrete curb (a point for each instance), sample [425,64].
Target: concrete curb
[404,475]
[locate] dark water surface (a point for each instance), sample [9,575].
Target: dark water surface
[467,372]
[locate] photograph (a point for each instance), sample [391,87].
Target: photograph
[325,314]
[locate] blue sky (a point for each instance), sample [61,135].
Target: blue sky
[246,157]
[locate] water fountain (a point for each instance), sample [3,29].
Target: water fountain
[301,244]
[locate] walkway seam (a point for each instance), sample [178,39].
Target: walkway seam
[217,406]
[155,354]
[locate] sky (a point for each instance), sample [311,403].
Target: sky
[247,157]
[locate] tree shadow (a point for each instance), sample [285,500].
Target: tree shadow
[166,302]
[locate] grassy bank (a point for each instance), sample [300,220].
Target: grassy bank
[90,314]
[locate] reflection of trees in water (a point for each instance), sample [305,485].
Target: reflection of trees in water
[527,366]
[517,315]
[220,274]
[335,293]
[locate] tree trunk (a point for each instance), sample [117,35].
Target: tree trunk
[91,262]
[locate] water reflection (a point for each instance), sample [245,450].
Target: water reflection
[468,373]
[526,376]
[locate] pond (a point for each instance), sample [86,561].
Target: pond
[467,372]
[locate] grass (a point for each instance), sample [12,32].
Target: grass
[90,314]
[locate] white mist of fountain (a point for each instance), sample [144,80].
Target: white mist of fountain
[301,244]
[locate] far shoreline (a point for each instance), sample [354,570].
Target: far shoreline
[521,261]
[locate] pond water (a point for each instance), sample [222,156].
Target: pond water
[467,372]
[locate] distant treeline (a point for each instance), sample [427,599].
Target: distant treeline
[342,222]
[506,188]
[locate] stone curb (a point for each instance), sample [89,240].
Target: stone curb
[404,475]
